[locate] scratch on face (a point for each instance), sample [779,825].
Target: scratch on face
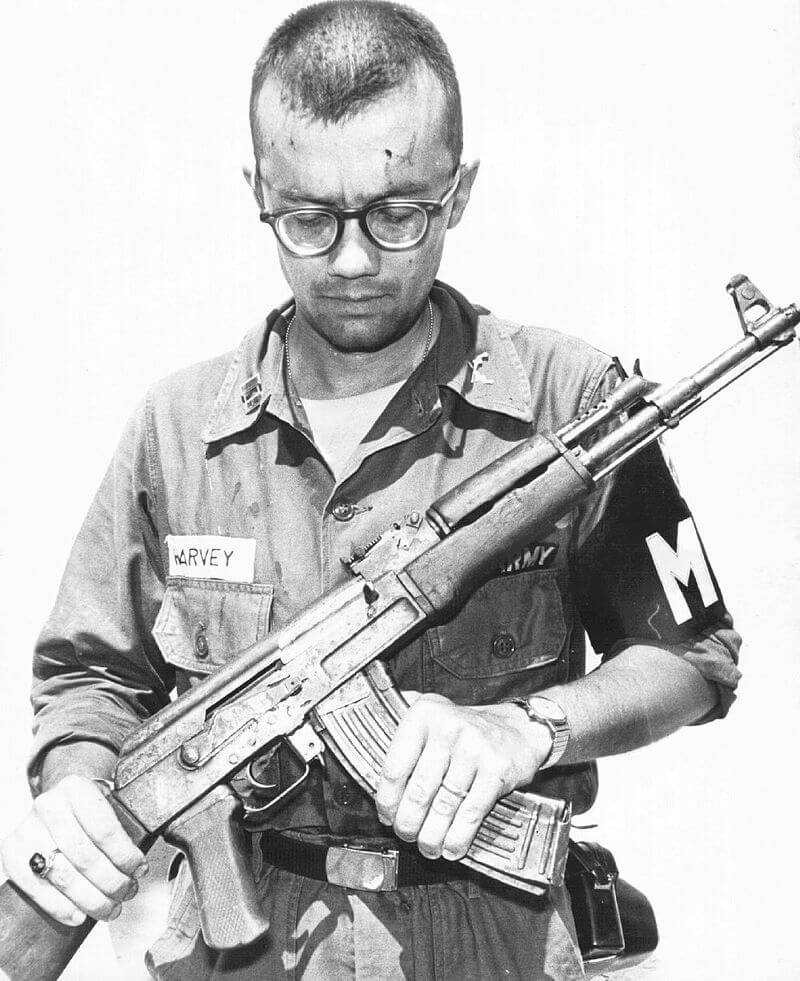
[408,156]
[236,490]
[650,621]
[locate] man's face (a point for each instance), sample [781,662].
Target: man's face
[358,296]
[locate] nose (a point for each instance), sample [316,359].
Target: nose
[354,255]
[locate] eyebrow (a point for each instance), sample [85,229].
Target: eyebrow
[407,189]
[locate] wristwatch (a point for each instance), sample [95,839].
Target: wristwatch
[548,713]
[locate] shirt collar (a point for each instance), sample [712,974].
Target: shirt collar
[475,358]
[253,375]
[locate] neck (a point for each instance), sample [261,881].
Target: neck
[319,370]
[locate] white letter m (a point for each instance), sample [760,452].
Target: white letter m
[674,567]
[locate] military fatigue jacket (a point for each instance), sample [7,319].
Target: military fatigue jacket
[218,521]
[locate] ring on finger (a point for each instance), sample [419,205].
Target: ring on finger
[41,865]
[461,794]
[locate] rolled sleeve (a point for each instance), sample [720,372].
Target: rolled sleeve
[715,654]
[96,669]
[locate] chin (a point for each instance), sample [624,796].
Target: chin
[362,334]
[359,326]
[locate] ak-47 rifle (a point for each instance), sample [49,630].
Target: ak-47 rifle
[318,682]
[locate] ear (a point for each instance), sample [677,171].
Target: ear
[250,175]
[469,172]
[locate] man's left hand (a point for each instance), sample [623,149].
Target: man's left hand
[448,765]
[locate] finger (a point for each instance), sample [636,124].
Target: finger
[96,816]
[79,890]
[482,796]
[421,788]
[446,803]
[80,852]
[16,852]
[404,751]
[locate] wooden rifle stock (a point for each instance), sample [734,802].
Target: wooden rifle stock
[34,947]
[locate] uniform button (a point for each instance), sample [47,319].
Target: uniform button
[503,645]
[343,510]
[201,642]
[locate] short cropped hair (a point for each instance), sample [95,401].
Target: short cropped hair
[333,59]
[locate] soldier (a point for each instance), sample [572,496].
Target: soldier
[373,388]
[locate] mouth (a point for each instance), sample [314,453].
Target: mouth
[354,297]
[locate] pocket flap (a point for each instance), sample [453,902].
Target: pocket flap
[203,624]
[510,624]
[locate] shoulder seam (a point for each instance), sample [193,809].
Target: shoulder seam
[151,446]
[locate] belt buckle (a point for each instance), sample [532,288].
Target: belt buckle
[356,867]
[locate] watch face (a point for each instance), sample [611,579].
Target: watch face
[548,708]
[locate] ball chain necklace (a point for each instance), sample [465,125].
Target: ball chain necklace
[428,341]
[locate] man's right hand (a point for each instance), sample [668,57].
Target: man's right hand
[95,864]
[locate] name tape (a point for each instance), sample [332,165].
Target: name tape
[212,557]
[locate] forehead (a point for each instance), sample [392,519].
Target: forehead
[395,145]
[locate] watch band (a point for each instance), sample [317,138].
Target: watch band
[548,713]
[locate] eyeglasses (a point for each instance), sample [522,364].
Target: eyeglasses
[393,224]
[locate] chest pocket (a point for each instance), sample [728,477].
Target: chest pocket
[202,624]
[509,639]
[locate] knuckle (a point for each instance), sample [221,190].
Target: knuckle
[384,800]
[107,880]
[471,743]
[472,813]
[128,858]
[73,785]
[44,806]
[104,834]
[417,791]
[414,718]
[81,858]
[391,772]
[444,805]
[61,909]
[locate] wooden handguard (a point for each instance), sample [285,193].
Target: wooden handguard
[522,841]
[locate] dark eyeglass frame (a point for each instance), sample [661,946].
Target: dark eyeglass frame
[341,215]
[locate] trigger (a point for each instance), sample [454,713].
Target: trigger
[264,772]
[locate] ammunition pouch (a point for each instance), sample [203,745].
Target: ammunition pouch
[612,918]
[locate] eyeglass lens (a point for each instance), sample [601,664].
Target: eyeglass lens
[391,225]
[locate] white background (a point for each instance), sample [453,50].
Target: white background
[635,156]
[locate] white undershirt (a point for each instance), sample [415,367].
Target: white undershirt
[339,425]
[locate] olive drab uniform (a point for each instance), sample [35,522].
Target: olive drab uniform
[218,521]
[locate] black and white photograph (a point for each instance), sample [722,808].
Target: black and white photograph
[400,547]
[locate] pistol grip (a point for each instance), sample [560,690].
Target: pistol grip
[211,836]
